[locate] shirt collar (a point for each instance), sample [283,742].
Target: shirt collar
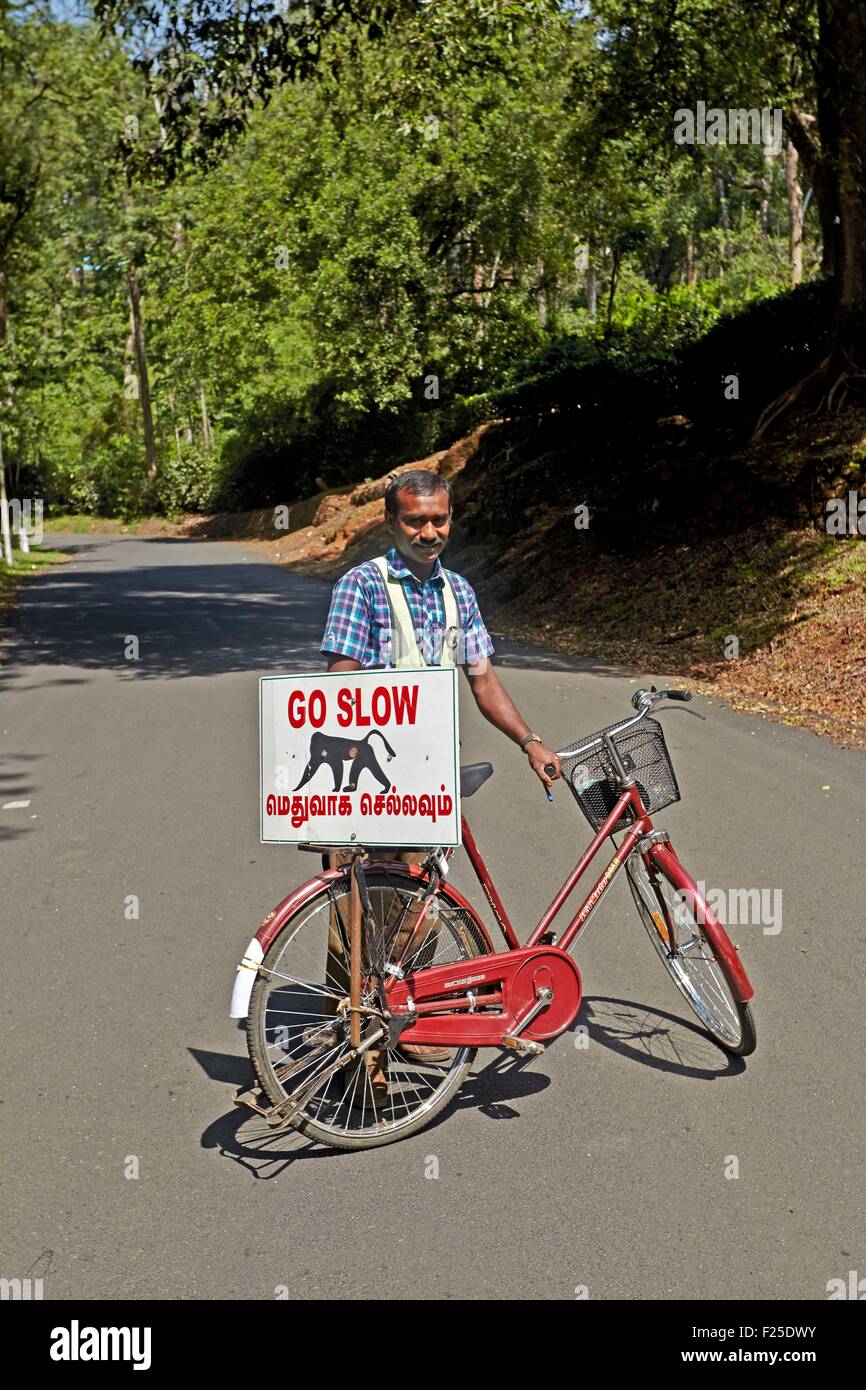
[398,568]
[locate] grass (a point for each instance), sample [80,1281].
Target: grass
[90,525]
[23,567]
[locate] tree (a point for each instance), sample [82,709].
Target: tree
[809,56]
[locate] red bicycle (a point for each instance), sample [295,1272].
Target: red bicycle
[360,977]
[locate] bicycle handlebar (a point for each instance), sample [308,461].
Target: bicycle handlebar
[643,701]
[652,696]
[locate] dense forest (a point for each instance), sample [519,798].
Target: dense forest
[248,248]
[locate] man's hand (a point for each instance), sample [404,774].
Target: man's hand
[538,755]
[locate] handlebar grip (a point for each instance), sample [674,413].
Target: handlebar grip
[678,694]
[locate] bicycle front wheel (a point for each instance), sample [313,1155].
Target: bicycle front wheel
[694,966]
[297,1029]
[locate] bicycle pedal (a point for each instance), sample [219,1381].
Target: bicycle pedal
[523,1046]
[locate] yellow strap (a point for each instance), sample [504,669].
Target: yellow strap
[408,651]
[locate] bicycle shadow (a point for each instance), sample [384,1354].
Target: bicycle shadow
[653,1037]
[265,1154]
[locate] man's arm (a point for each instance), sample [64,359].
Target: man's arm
[342,663]
[497,706]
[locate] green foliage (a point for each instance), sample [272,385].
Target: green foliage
[440,213]
[650,324]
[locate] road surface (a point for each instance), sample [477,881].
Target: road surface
[605,1170]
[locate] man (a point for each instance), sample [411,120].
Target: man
[404,608]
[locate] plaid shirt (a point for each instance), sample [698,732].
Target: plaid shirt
[360,618]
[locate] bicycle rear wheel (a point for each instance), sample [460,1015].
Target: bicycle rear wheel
[695,966]
[296,1030]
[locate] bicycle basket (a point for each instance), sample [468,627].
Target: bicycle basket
[645,757]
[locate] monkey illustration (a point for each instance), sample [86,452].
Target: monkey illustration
[331,751]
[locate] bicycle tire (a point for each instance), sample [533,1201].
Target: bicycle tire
[709,994]
[468,943]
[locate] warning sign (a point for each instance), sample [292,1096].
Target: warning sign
[360,757]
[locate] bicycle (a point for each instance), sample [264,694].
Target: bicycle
[448,986]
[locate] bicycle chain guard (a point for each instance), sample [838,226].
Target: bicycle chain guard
[478,1002]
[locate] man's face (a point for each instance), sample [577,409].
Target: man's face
[420,528]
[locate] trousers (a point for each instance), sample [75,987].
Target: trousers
[400,944]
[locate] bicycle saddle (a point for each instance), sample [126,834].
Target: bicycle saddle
[473,776]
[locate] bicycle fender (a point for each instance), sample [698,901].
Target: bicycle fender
[245,978]
[247,969]
[739,981]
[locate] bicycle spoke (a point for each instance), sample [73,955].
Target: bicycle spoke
[309,976]
[693,965]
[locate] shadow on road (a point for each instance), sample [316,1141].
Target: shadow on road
[657,1039]
[194,618]
[189,620]
[641,1034]
[15,785]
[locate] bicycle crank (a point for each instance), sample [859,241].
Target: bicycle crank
[543,999]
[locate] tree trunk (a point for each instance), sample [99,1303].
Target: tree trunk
[766,190]
[129,362]
[839,181]
[478,297]
[820,171]
[724,223]
[541,295]
[205,419]
[691,262]
[171,404]
[795,215]
[591,284]
[724,210]
[614,279]
[843,27]
[143,379]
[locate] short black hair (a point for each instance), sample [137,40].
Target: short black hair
[421,482]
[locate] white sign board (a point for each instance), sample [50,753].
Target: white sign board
[360,757]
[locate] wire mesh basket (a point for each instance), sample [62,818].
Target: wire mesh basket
[592,778]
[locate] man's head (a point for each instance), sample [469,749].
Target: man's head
[418,513]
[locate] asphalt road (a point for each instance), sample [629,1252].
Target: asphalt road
[600,1168]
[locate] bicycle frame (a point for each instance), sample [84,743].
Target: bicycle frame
[440,1009]
[517,998]
[642,825]
[630,796]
